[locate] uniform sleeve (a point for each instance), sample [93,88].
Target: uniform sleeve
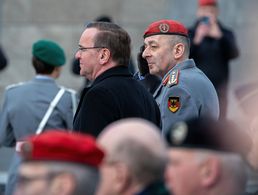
[177,105]
[96,111]
[7,137]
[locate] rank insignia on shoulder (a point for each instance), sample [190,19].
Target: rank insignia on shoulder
[173,79]
[174,104]
[165,80]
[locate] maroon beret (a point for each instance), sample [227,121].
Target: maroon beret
[207,2]
[56,145]
[169,27]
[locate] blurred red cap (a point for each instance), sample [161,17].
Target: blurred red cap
[56,145]
[170,27]
[207,2]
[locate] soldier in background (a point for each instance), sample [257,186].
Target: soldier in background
[33,106]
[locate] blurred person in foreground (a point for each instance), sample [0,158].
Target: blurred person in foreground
[33,106]
[59,163]
[185,91]
[247,95]
[212,47]
[206,157]
[135,159]
[104,53]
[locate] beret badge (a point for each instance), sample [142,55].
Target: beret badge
[164,28]
[178,135]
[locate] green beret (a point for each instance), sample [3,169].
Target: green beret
[49,52]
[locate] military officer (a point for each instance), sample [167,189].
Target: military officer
[185,91]
[39,104]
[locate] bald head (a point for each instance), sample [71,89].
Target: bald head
[138,144]
[137,130]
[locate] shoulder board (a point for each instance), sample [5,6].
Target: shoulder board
[165,80]
[173,78]
[14,85]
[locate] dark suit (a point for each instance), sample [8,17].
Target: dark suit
[114,95]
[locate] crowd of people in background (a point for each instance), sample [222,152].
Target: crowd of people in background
[161,130]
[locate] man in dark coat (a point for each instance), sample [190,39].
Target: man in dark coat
[212,47]
[104,52]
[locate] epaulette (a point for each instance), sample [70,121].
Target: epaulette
[14,85]
[172,79]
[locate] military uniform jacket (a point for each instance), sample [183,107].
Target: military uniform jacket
[25,105]
[114,95]
[185,93]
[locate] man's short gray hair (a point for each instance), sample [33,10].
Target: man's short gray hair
[184,40]
[146,164]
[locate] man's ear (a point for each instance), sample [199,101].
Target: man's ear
[210,171]
[104,55]
[63,184]
[122,178]
[179,50]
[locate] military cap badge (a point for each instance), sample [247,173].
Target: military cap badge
[179,133]
[164,28]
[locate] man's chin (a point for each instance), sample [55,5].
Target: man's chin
[153,72]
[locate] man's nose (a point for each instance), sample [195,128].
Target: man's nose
[145,53]
[78,54]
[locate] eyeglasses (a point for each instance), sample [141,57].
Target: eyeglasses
[82,49]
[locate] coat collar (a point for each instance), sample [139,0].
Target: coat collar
[189,63]
[43,79]
[113,72]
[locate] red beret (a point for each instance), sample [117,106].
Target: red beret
[169,27]
[56,145]
[207,2]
